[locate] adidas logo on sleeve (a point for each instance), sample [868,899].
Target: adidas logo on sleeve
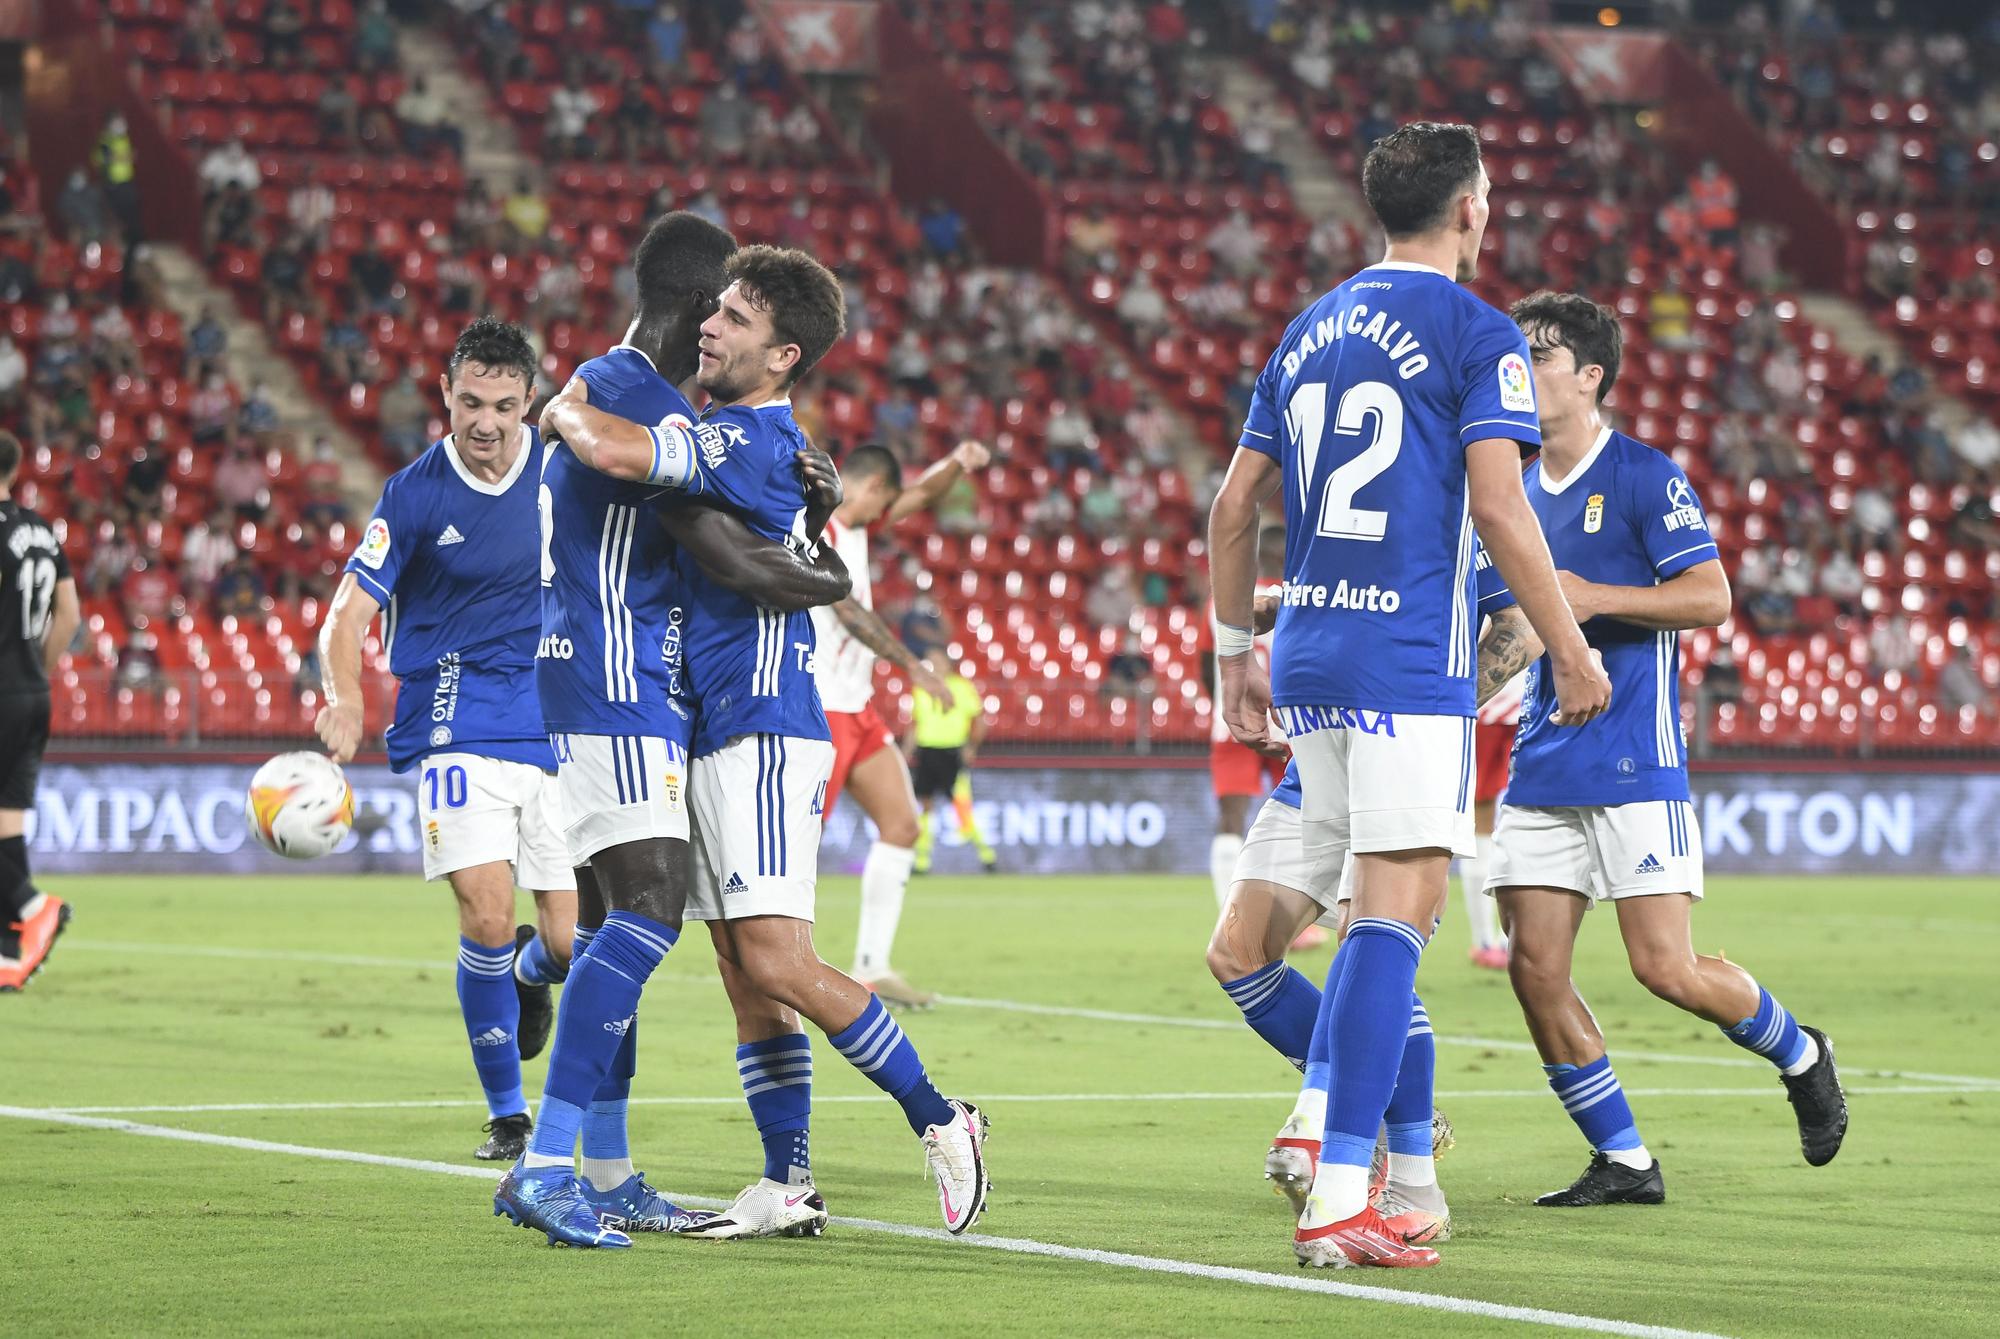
[450,536]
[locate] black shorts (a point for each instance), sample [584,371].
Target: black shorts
[24,737]
[936,772]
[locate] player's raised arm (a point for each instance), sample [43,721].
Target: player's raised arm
[1232,565]
[617,447]
[866,626]
[775,575]
[340,718]
[1508,528]
[935,482]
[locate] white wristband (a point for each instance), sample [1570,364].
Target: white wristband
[1233,641]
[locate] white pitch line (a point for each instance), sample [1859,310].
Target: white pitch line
[1463,1306]
[1980,1081]
[990,1099]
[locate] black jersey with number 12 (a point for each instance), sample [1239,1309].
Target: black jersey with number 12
[31,563]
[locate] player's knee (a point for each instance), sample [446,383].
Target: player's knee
[1230,957]
[1533,973]
[1669,977]
[899,827]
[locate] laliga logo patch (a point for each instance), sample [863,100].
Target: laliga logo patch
[1593,513]
[374,544]
[1517,391]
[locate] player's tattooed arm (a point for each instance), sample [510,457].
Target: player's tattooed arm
[775,575]
[1508,646]
[866,626]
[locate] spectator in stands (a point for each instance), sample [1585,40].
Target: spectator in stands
[943,229]
[527,214]
[1035,64]
[208,548]
[1143,309]
[666,34]
[258,416]
[706,206]
[909,363]
[1112,601]
[1175,137]
[375,279]
[1960,687]
[1973,526]
[239,589]
[1978,446]
[477,219]
[284,274]
[749,65]
[802,137]
[1235,244]
[284,34]
[113,342]
[1892,649]
[1257,143]
[427,124]
[566,133]
[725,124]
[1670,314]
[204,41]
[339,115]
[1052,515]
[309,209]
[1093,238]
[1128,672]
[1069,438]
[636,122]
[81,208]
[1222,301]
[1840,580]
[114,161]
[1100,511]
[767,139]
[1713,195]
[240,481]
[13,376]
[957,512]
[558,294]
[461,288]
[227,164]
[1759,260]
[148,591]
[230,219]
[375,38]
[404,414]
[211,409]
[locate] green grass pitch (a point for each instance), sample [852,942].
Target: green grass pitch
[1140,1137]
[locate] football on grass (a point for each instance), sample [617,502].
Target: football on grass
[300,805]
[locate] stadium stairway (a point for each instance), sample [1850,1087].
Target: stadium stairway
[1858,334]
[1245,93]
[492,151]
[188,287]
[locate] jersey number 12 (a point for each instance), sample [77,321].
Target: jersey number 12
[1305,414]
[38,593]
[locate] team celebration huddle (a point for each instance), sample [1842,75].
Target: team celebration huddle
[636,657]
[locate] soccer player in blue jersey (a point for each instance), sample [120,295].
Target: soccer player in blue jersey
[448,560]
[1393,415]
[762,754]
[614,700]
[1271,898]
[1603,814]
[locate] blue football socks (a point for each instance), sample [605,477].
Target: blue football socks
[1408,1115]
[777,1083]
[1772,1033]
[1591,1095]
[536,966]
[492,1014]
[599,1006]
[1280,1005]
[1370,1021]
[877,1047]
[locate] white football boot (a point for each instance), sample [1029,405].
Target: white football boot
[957,1156]
[767,1209]
[1292,1162]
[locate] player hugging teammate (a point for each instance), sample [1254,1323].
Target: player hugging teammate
[606,675]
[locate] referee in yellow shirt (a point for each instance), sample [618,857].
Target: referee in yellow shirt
[945,735]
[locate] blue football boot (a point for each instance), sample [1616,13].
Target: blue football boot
[550,1199]
[634,1206]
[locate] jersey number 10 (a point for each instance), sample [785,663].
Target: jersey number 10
[1305,415]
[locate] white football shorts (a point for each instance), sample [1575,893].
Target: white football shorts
[1613,851]
[477,810]
[1378,781]
[620,788]
[1274,852]
[758,805]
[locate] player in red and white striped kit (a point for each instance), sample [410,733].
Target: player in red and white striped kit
[1493,749]
[866,760]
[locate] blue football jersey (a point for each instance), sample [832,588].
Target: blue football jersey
[1368,404]
[613,622]
[1626,516]
[451,559]
[750,668]
[1493,597]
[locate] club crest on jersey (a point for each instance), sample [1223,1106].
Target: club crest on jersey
[374,544]
[1593,513]
[1517,391]
[715,440]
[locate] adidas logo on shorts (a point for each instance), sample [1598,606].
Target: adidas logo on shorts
[450,536]
[1650,865]
[493,1036]
[735,885]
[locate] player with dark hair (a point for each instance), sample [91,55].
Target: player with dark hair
[38,615]
[1605,814]
[448,560]
[1392,413]
[614,698]
[762,752]
[865,758]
